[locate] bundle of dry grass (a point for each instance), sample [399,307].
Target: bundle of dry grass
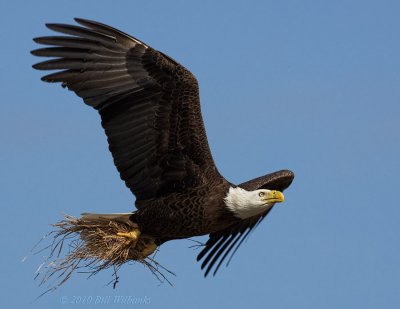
[90,246]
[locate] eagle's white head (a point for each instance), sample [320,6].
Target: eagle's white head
[245,204]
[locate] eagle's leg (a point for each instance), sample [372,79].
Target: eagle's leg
[148,249]
[147,245]
[132,236]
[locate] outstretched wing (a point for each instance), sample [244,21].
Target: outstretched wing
[221,243]
[149,104]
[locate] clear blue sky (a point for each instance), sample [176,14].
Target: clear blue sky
[313,86]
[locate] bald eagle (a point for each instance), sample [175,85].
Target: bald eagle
[150,110]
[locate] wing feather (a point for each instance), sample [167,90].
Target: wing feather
[148,103]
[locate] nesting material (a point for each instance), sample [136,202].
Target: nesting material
[91,245]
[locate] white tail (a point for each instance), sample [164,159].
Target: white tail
[122,217]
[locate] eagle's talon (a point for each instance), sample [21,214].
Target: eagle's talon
[132,236]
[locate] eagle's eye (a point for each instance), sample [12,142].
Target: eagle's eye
[261,194]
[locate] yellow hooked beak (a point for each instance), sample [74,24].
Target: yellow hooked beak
[274,197]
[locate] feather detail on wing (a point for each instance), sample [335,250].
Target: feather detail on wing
[149,105]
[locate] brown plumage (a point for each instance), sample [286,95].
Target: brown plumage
[150,111]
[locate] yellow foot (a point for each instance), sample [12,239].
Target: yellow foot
[132,236]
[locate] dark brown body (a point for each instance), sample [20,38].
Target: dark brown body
[182,215]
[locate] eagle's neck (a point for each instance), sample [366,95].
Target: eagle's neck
[244,204]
